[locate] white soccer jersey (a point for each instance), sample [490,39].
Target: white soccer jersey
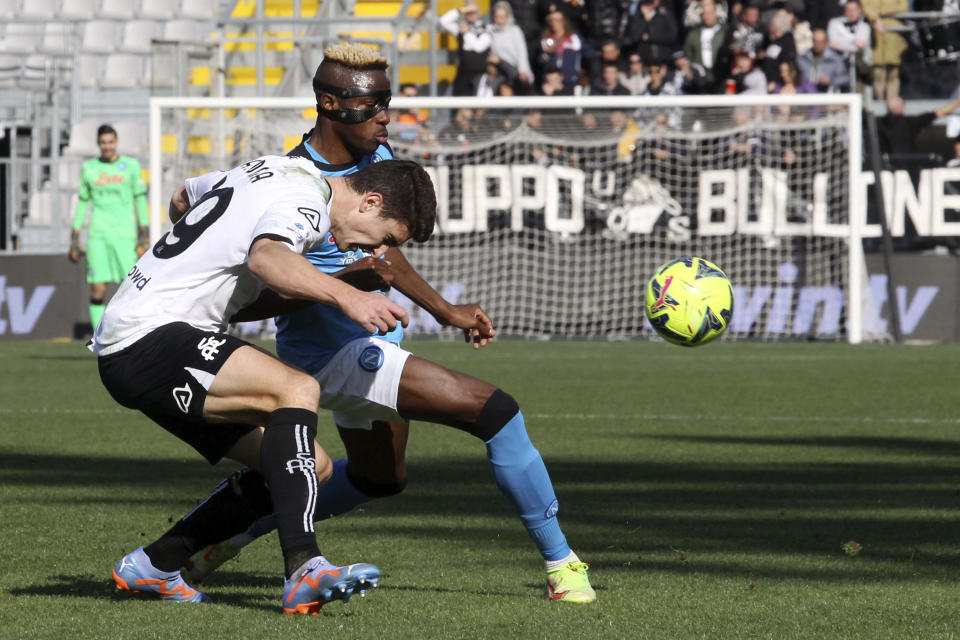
[197,273]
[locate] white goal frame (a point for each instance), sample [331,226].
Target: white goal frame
[852,103]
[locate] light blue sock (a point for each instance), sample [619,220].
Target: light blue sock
[520,473]
[337,496]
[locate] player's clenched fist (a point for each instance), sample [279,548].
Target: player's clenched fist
[374,312]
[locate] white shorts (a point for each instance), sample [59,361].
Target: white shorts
[360,382]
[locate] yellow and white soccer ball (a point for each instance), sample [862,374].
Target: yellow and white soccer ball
[689,301]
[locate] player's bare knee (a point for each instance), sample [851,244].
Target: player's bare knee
[324,465]
[299,390]
[498,410]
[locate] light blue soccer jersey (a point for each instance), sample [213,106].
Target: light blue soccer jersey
[311,336]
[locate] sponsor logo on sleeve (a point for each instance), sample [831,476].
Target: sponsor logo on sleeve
[312,216]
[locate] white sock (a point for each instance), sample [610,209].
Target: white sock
[556,564]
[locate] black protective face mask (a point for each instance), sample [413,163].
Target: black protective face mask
[353,116]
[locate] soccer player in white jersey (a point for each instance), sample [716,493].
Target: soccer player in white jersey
[373,386]
[162,350]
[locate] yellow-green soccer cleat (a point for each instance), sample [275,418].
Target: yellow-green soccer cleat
[204,562]
[570,583]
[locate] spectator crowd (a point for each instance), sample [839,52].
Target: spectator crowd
[672,48]
[669,48]
[648,47]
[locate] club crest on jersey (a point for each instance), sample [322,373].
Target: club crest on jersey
[183,395]
[371,359]
[121,166]
[210,347]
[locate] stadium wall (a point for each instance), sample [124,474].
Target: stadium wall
[44,296]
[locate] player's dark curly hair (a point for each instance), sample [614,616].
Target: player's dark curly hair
[407,190]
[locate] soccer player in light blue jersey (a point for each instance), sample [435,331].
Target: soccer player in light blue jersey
[373,386]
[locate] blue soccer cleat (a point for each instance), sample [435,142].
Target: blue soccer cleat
[318,582]
[136,574]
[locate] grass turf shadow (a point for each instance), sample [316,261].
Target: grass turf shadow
[905,514]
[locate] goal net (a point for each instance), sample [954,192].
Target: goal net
[554,212]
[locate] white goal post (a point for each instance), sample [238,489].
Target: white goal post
[554,211]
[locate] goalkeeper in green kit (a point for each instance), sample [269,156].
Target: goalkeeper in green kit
[112,188]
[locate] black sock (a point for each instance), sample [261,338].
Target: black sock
[287,458]
[234,505]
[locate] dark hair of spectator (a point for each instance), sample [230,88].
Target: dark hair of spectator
[794,69]
[104,129]
[567,25]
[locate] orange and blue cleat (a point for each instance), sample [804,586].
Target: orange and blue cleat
[136,574]
[318,582]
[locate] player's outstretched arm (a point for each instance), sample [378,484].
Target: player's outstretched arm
[477,326]
[292,276]
[366,274]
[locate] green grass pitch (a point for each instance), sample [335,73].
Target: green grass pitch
[729,491]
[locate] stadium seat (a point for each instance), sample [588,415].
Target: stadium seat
[41,208]
[123,71]
[41,204]
[89,70]
[157,9]
[100,36]
[8,8]
[138,36]
[183,31]
[36,70]
[10,70]
[78,10]
[276,9]
[21,37]
[132,139]
[117,9]
[38,213]
[199,9]
[56,39]
[68,172]
[83,140]
[39,9]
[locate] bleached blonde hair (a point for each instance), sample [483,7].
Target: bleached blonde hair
[355,56]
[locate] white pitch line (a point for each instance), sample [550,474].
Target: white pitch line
[698,417]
